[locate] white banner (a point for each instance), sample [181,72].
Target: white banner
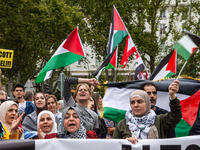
[184,143]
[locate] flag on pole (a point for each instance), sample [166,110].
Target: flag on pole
[70,51]
[187,45]
[166,68]
[117,31]
[110,62]
[139,67]
[128,50]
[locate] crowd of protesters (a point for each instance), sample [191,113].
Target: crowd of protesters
[42,116]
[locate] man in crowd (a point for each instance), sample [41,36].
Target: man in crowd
[24,106]
[151,90]
[29,96]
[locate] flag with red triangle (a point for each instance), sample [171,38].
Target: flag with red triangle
[139,67]
[187,45]
[166,68]
[110,62]
[70,51]
[117,31]
[128,50]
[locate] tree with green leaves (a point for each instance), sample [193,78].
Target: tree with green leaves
[34,29]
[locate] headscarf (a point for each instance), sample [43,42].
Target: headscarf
[142,94]
[79,134]
[3,110]
[54,128]
[140,126]
[63,105]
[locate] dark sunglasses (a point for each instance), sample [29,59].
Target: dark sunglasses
[18,90]
[154,92]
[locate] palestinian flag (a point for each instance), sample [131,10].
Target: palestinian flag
[116,100]
[117,31]
[166,68]
[70,51]
[128,50]
[187,45]
[110,62]
[139,67]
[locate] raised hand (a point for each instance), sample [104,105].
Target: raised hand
[15,124]
[173,88]
[20,131]
[92,81]
[39,133]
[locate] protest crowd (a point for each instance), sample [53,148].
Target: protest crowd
[79,116]
[33,116]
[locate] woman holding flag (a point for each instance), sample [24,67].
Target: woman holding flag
[141,122]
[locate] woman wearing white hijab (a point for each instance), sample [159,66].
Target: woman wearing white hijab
[141,122]
[9,120]
[46,124]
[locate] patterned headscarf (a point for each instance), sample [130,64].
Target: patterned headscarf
[79,134]
[3,110]
[54,129]
[140,126]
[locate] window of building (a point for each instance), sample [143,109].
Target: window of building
[163,13]
[162,29]
[79,62]
[97,61]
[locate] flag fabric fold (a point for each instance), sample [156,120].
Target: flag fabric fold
[166,68]
[128,50]
[187,45]
[139,68]
[70,51]
[109,62]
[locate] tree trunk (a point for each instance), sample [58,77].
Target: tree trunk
[18,77]
[114,74]
[152,65]
[107,76]
[10,86]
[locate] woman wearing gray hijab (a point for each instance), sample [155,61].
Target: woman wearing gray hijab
[141,122]
[71,125]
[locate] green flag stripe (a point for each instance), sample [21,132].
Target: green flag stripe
[113,114]
[58,61]
[118,37]
[182,128]
[61,60]
[109,66]
[182,51]
[169,75]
